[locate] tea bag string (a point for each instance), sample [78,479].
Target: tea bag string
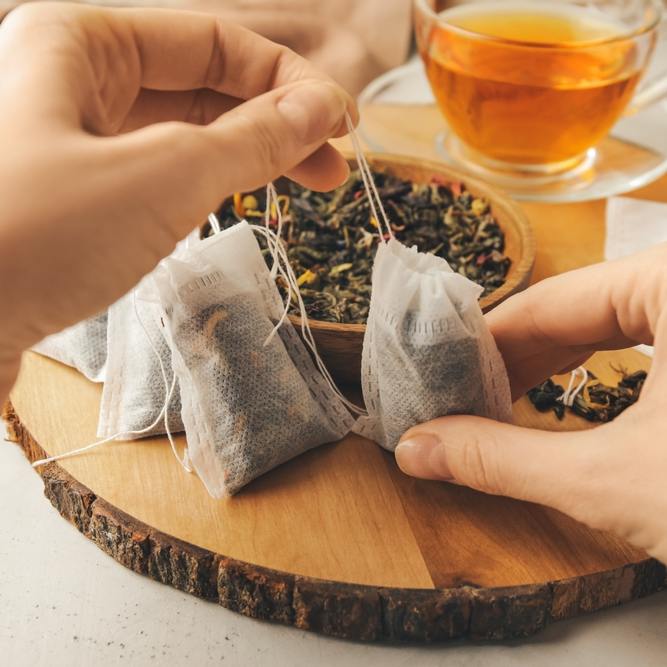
[272,241]
[369,183]
[163,414]
[287,274]
[281,261]
[570,394]
[169,391]
[272,201]
[214,222]
[284,268]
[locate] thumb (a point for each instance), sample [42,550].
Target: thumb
[273,133]
[184,171]
[502,459]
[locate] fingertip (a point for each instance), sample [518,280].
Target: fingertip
[312,109]
[323,170]
[420,456]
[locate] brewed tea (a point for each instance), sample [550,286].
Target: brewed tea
[530,84]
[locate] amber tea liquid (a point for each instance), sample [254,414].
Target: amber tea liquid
[543,101]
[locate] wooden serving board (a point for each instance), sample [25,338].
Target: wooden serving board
[338,540]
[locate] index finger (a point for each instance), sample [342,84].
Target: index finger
[180,50]
[104,57]
[561,320]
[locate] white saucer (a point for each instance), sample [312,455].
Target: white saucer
[634,155]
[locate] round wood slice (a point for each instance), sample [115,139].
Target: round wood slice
[337,541]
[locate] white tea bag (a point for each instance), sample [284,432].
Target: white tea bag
[82,346]
[427,349]
[250,400]
[138,370]
[139,366]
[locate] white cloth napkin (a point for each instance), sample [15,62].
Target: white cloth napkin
[634,225]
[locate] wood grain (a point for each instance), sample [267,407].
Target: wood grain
[336,608]
[339,541]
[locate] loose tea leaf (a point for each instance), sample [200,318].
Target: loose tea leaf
[332,238]
[597,402]
[546,397]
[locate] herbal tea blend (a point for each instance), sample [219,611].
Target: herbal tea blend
[251,395]
[331,244]
[427,350]
[82,346]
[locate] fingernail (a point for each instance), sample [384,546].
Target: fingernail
[421,455]
[314,110]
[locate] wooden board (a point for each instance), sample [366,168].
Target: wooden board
[339,540]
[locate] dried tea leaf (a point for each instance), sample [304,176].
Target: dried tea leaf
[332,238]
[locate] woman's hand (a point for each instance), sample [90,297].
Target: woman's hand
[120,131]
[612,477]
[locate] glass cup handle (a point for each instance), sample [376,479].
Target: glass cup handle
[653,90]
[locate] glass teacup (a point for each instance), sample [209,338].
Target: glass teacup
[532,87]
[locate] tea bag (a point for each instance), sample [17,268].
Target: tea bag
[251,395]
[427,350]
[82,346]
[139,370]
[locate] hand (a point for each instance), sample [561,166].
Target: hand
[120,131]
[611,477]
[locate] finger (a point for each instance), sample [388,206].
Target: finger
[200,107]
[317,172]
[104,57]
[186,50]
[580,361]
[562,319]
[174,174]
[323,170]
[308,113]
[501,459]
[524,374]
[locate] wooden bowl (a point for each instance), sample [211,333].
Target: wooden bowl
[340,344]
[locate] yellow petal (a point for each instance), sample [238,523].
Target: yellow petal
[306,278]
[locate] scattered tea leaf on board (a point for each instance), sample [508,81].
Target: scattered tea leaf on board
[597,402]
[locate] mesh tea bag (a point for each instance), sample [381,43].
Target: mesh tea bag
[82,346]
[427,349]
[250,400]
[139,366]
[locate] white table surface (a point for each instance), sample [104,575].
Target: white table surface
[64,602]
